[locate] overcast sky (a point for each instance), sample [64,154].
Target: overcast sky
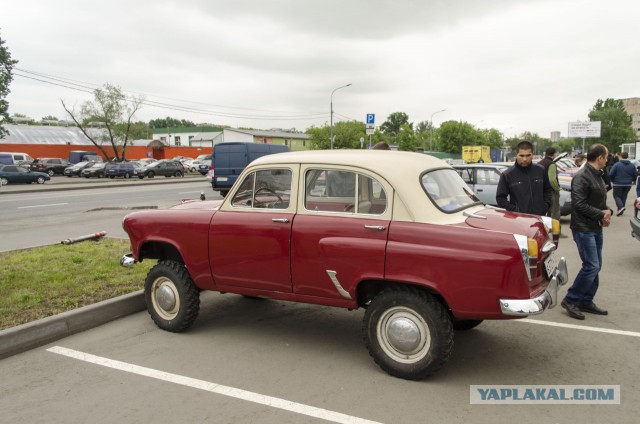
[531,65]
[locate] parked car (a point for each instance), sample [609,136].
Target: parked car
[12,158]
[96,170]
[121,169]
[13,174]
[193,165]
[483,180]
[146,161]
[229,159]
[396,233]
[167,168]
[50,166]
[635,220]
[75,170]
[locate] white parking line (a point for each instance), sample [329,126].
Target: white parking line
[42,206]
[233,392]
[580,327]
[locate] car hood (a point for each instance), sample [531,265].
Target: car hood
[199,204]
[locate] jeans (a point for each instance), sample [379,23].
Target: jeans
[620,195]
[585,285]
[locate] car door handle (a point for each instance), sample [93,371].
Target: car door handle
[480,189]
[375,227]
[283,220]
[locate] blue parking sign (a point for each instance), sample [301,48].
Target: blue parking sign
[371,118]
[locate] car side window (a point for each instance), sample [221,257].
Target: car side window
[264,189]
[343,191]
[488,176]
[466,174]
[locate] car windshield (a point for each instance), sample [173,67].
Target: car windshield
[447,191]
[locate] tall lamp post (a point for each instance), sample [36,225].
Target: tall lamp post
[431,129]
[331,128]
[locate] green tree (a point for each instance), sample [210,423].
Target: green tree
[406,139]
[50,118]
[347,135]
[490,137]
[169,122]
[452,135]
[6,76]
[113,111]
[615,123]
[391,127]
[138,131]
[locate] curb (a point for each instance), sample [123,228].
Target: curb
[34,334]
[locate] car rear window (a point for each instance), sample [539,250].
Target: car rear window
[446,189]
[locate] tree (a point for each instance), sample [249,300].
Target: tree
[50,118]
[6,76]
[616,123]
[114,111]
[347,135]
[391,127]
[169,122]
[452,135]
[406,139]
[423,133]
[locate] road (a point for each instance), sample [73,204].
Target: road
[268,361]
[45,217]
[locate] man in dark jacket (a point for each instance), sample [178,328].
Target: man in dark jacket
[623,174]
[524,187]
[589,214]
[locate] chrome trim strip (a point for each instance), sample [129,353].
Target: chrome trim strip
[547,299]
[548,247]
[336,283]
[473,215]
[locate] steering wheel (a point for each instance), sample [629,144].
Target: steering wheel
[268,190]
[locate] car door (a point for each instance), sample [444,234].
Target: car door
[486,184]
[250,236]
[340,233]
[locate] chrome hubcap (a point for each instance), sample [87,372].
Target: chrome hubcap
[403,335]
[165,298]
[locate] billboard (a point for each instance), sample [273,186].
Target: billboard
[584,129]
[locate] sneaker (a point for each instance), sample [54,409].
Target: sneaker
[572,310]
[621,211]
[592,308]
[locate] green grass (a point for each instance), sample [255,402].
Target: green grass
[44,281]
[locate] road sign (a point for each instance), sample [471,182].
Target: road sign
[585,129]
[371,118]
[370,126]
[370,131]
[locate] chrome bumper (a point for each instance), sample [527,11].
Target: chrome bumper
[127,260]
[547,300]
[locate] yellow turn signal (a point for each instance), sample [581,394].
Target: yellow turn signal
[532,246]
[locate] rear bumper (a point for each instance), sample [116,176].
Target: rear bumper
[546,300]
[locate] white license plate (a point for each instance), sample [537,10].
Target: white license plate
[222,178]
[551,263]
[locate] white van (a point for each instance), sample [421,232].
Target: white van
[10,158]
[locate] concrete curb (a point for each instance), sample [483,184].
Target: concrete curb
[38,333]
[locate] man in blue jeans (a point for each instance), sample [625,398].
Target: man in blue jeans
[623,174]
[589,215]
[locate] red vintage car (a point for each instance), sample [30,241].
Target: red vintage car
[397,233]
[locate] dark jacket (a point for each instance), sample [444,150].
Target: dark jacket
[623,173]
[588,200]
[527,189]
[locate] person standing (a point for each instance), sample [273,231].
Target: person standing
[552,173]
[623,174]
[524,187]
[589,214]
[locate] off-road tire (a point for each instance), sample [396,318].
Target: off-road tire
[173,277]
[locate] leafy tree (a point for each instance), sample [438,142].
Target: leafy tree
[406,139]
[452,135]
[114,111]
[394,123]
[6,76]
[616,123]
[169,122]
[490,137]
[347,135]
[50,118]
[138,131]
[423,133]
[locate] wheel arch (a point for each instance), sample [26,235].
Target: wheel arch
[368,289]
[160,250]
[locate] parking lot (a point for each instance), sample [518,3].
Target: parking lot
[277,362]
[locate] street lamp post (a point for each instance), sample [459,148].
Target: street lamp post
[331,127]
[431,129]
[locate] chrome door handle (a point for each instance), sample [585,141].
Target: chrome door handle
[283,220]
[375,227]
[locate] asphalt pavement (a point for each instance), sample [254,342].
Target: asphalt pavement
[38,333]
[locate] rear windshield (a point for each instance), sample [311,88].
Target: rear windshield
[447,191]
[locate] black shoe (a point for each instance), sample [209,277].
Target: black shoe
[572,310]
[592,308]
[621,211]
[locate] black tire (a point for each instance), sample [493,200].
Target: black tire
[151,174]
[424,333]
[40,180]
[466,324]
[127,176]
[173,301]
[50,172]
[178,174]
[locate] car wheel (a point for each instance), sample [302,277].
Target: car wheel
[40,180]
[178,174]
[50,172]
[4,181]
[466,324]
[151,175]
[173,301]
[127,176]
[408,332]
[193,169]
